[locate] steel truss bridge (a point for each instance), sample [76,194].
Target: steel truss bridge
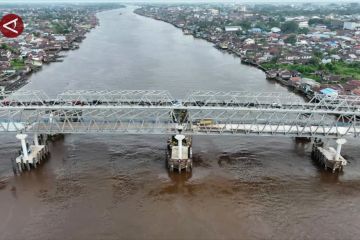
[200,113]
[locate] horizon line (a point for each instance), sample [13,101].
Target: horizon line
[182,1]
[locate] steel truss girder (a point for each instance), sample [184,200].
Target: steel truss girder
[87,97]
[163,98]
[161,120]
[156,112]
[271,100]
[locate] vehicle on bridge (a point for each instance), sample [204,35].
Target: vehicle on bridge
[179,153]
[205,122]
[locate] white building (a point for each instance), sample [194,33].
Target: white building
[326,60]
[350,25]
[59,38]
[214,11]
[304,24]
[232,28]
[275,30]
[328,93]
[249,41]
[242,8]
[320,27]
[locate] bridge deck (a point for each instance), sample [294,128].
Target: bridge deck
[156,112]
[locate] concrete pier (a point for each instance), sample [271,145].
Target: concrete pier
[328,156]
[179,153]
[30,157]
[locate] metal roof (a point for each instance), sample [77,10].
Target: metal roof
[329,91]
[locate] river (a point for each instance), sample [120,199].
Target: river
[117,187]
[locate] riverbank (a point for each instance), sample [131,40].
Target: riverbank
[41,44]
[17,80]
[244,60]
[305,74]
[117,187]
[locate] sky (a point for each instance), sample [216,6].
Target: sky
[187,1]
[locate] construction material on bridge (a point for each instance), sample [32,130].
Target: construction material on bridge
[328,156]
[179,153]
[30,156]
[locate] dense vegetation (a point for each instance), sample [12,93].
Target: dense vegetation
[7,47]
[17,64]
[343,69]
[60,28]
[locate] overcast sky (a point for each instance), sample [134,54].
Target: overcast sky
[187,1]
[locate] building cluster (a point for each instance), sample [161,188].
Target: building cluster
[320,43]
[47,32]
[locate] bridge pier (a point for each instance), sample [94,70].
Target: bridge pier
[179,153]
[339,142]
[36,139]
[30,156]
[22,138]
[328,156]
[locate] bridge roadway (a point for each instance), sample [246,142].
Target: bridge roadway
[200,113]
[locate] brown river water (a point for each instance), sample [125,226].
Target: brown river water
[117,187]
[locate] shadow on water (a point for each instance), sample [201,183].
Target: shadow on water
[301,146]
[242,158]
[180,178]
[199,161]
[179,186]
[3,183]
[326,176]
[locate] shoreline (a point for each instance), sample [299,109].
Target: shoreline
[243,60]
[16,81]
[22,78]
[19,80]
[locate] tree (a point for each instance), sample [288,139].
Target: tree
[330,66]
[273,23]
[315,21]
[245,25]
[36,34]
[291,39]
[274,60]
[303,31]
[290,27]
[318,54]
[314,61]
[8,47]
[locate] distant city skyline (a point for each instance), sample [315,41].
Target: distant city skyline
[184,1]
